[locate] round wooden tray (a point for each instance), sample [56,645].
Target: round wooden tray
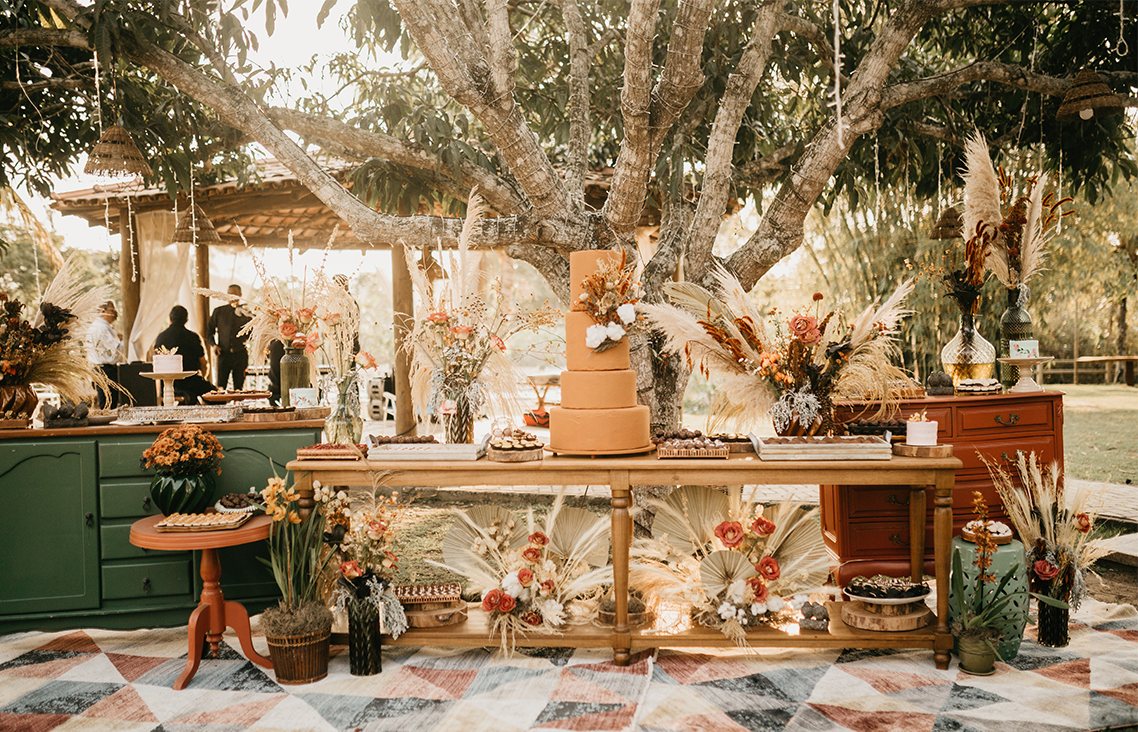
[970,536]
[515,456]
[922,451]
[857,614]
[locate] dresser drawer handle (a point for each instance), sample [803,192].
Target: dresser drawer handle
[146,584]
[89,518]
[896,539]
[1012,420]
[896,501]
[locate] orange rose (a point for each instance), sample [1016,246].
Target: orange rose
[351,569]
[763,526]
[491,599]
[506,603]
[525,576]
[438,317]
[305,314]
[805,329]
[730,533]
[759,588]
[531,554]
[1083,522]
[288,329]
[533,617]
[538,538]
[769,569]
[461,332]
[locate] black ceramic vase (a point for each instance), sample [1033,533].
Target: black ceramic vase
[364,639]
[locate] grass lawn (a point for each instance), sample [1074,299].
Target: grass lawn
[1100,432]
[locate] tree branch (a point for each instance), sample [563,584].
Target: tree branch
[466,76]
[500,49]
[579,99]
[343,139]
[736,98]
[648,116]
[43,37]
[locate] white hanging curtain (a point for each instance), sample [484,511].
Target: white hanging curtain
[165,272]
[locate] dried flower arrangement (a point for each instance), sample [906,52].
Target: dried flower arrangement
[459,360]
[735,568]
[48,346]
[1011,230]
[531,579]
[1055,528]
[793,369]
[360,528]
[609,295]
[184,450]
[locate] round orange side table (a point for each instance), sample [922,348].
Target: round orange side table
[214,613]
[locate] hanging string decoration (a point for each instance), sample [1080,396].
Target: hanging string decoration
[836,8]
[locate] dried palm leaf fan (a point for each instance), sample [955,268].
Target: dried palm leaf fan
[194,228]
[948,225]
[115,155]
[1087,93]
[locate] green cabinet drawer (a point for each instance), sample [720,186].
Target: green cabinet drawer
[121,457]
[125,499]
[152,578]
[114,543]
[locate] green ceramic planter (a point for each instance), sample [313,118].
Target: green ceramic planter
[182,493]
[977,657]
[1006,557]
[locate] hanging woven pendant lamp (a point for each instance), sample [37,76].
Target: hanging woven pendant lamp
[949,224]
[1087,93]
[194,227]
[115,155]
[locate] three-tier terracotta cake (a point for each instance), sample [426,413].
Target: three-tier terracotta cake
[598,413]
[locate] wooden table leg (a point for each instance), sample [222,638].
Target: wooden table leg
[621,542]
[199,623]
[237,617]
[213,598]
[942,550]
[917,533]
[302,482]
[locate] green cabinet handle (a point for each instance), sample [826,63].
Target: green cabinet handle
[89,518]
[146,584]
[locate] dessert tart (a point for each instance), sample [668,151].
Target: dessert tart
[513,445]
[882,589]
[331,451]
[202,521]
[1001,533]
[694,447]
[979,386]
[377,440]
[239,503]
[736,442]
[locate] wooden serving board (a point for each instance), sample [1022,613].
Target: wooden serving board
[515,456]
[305,453]
[270,416]
[857,614]
[922,451]
[14,424]
[242,518]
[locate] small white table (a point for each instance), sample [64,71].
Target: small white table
[168,379]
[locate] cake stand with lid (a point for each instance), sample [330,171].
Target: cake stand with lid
[1024,366]
[168,378]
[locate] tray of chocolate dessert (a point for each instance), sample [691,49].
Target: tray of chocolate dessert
[224,397]
[737,442]
[513,445]
[834,447]
[695,447]
[886,603]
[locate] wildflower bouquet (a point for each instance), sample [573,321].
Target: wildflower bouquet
[609,296]
[535,580]
[184,450]
[793,368]
[736,569]
[459,363]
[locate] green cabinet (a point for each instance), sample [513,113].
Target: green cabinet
[50,540]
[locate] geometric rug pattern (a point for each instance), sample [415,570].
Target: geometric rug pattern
[120,680]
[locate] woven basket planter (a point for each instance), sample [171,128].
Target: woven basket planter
[300,659]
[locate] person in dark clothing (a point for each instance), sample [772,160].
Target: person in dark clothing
[276,352]
[189,346]
[223,334]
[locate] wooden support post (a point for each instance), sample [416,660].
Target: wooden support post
[917,533]
[942,543]
[201,302]
[130,281]
[403,313]
[620,502]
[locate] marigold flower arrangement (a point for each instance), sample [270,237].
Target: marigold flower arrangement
[735,569]
[459,361]
[1056,528]
[609,296]
[792,368]
[535,580]
[184,450]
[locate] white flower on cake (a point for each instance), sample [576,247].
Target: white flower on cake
[595,335]
[614,331]
[511,585]
[626,313]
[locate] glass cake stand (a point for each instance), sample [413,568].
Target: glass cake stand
[168,378]
[1025,365]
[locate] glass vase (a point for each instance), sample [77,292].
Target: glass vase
[1053,629]
[344,425]
[295,373]
[968,355]
[364,639]
[1015,325]
[460,422]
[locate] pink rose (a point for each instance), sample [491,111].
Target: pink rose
[461,332]
[763,526]
[730,533]
[805,329]
[332,318]
[1045,570]
[438,317]
[769,569]
[305,314]
[546,587]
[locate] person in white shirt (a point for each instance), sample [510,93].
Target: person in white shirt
[104,346]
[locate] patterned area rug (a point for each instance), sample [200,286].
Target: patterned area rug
[109,680]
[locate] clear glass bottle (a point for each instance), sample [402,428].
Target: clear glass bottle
[968,355]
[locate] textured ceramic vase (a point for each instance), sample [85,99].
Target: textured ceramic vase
[1054,628]
[1015,325]
[1006,557]
[182,493]
[364,639]
[460,423]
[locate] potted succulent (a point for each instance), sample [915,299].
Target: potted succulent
[362,535]
[299,628]
[186,462]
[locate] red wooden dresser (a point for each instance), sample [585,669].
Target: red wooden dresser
[867,530]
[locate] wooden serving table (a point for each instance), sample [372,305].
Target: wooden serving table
[214,613]
[620,474]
